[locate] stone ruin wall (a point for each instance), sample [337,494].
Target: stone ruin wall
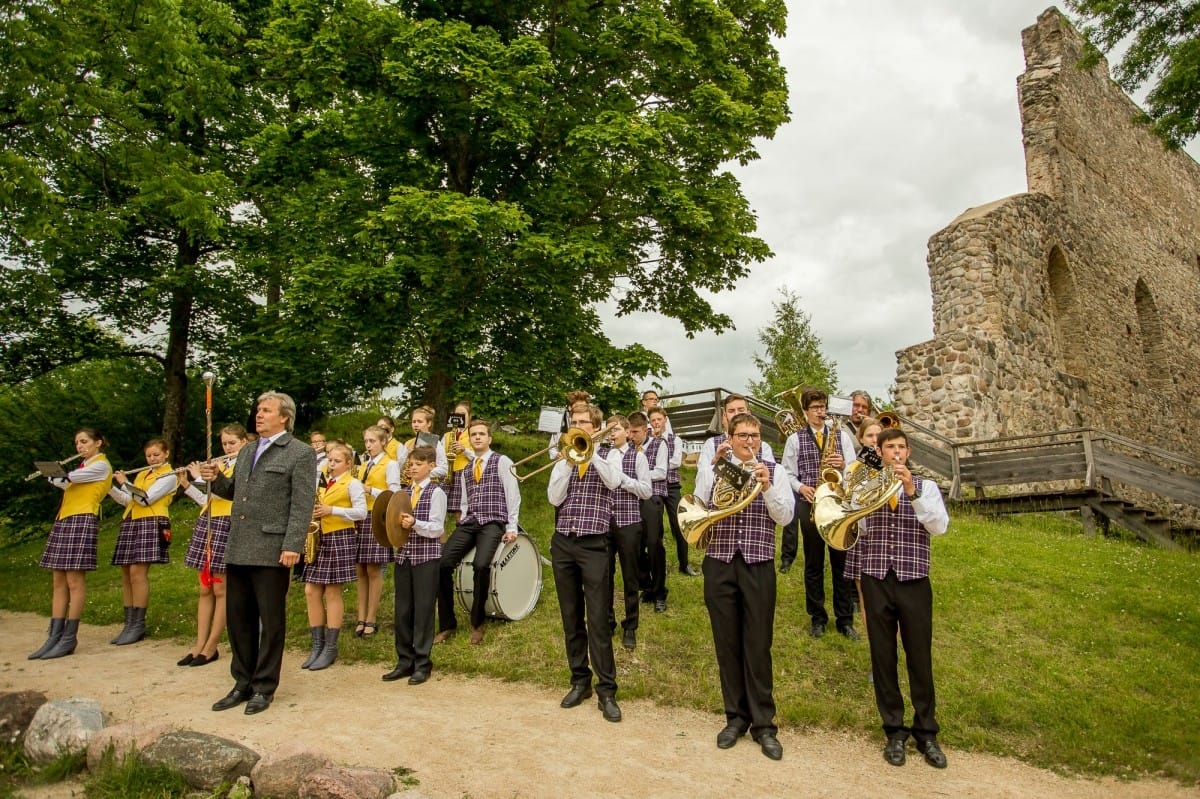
[1078,303]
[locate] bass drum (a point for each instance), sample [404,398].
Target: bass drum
[516,580]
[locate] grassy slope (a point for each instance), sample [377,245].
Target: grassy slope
[1078,653]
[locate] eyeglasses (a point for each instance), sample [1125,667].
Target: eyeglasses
[817,407]
[747,436]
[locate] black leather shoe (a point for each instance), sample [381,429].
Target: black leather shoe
[576,695]
[727,737]
[608,706]
[771,746]
[629,639]
[397,673]
[203,659]
[850,633]
[688,571]
[186,660]
[785,567]
[418,677]
[257,704]
[934,755]
[817,629]
[660,606]
[231,699]
[894,751]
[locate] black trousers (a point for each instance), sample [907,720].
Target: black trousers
[789,545]
[415,599]
[256,618]
[582,582]
[907,605]
[814,573]
[625,547]
[652,523]
[740,598]
[681,544]
[485,538]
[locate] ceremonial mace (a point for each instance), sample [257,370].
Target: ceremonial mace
[206,575]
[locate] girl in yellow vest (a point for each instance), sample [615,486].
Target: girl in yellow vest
[340,503]
[377,473]
[70,552]
[390,445]
[206,553]
[144,534]
[457,444]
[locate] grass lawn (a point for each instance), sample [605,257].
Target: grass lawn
[1073,652]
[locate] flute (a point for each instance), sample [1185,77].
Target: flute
[63,462]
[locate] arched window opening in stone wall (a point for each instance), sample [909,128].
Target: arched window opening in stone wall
[1066,314]
[1150,331]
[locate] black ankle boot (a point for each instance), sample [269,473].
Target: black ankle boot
[136,630]
[56,630]
[125,629]
[318,643]
[66,644]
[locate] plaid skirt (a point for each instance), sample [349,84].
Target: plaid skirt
[139,541]
[72,544]
[195,556]
[335,559]
[369,550]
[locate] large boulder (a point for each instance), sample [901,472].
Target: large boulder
[347,783]
[205,761]
[123,740]
[64,726]
[279,774]
[17,709]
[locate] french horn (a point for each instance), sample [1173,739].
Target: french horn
[734,488]
[839,507]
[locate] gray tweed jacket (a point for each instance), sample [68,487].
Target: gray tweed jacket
[272,501]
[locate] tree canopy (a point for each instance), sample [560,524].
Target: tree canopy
[1163,38]
[329,197]
[792,352]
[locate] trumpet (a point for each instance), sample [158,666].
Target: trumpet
[36,474]
[575,446]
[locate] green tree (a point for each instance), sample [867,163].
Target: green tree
[792,354]
[1163,51]
[485,174]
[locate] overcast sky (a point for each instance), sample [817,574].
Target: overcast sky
[903,115]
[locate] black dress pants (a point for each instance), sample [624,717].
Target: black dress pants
[814,574]
[681,544]
[740,598]
[256,618]
[581,580]
[907,605]
[414,602]
[625,548]
[486,539]
[652,522]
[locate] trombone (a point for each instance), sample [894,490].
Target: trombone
[575,446]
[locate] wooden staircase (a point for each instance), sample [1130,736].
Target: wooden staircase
[1109,479]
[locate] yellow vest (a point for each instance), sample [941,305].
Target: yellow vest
[392,448]
[337,495]
[216,505]
[135,510]
[376,479]
[86,497]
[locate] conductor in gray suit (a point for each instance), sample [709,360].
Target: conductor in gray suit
[273,488]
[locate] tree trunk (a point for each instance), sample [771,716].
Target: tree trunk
[179,328]
[439,381]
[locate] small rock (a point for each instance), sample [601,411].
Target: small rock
[347,783]
[17,709]
[123,739]
[205,761]
[279,774]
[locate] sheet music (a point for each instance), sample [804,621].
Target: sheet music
[550,419]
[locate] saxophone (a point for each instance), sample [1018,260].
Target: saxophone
[312,541]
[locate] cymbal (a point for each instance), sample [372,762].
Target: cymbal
[379,518]
[399,504]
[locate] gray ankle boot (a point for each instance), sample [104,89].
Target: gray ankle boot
[125,629]
[329,652]
[136,630]
[318,643]
[56,628]
[66,644]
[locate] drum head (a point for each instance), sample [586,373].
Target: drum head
[516,580]
[379,518]
[398,505]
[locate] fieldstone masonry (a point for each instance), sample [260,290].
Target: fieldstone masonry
[1077,303]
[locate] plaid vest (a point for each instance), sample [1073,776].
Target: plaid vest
[894,540]
[420,549]
[672,471]
[588,507]
[658,488]
[750,531]
[486,502]
[808,455]
[627,507]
